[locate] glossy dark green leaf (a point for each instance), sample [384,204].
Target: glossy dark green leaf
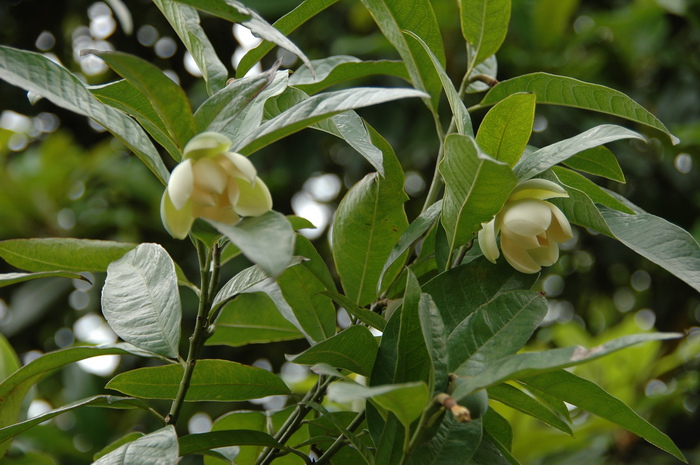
[368,317]
[141,302]
[506,128]
[491,452]
[498,427]
[157,448]
[515,398]
[213,380]
[7,279]
[435,339]
[168,99]
[199,443]
[353,349]
[484,26]
[566,91]
[599,161]
[454,443]
[591,397]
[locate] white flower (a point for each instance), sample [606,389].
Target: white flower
[531,228]
[213,184]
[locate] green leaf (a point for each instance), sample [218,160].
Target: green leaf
[130,437]
[460,113]
[417,16]
[412,234]
[599,161]
[286,25]
[368,317]
[141,302]
[506,128]
[7,279]
[125,97]
[492,452]
[353,349]
[368,222]
[157,448]
[237,12]
[566,91]
[266,240]
[406,400]
[655,239]
[433,329]
[212,380]
[168,99]
[591,397]
[38,74]
[454,443]
[318,108]
[515,398]
[9,362]
[596,193]
[532,363]
[202,442]
[497,329]
[476,187]
[185,22]
[534,163]
[498,427]
[237,325]
[114,402]
[337,69]
[62,254]
[487,68]
[484,26]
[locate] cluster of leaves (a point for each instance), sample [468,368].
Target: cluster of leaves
[450,321]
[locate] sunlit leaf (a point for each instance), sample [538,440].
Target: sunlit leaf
[353,349]
[7,279]
[599,161]
[484,26]
[515,398]
[157,448]
[506,128]
[591,189]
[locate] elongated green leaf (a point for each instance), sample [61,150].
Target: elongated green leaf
[414,232]
[484,26]
[454,443]
[251,319]
[599,161]
[96,401]
[515,398]
[498,427]
[417,16]
[492,452]
[7,279]
[168,99]
[534,163]
[57,254]
[157,448]
[368,222]
[342,68]
[353,349]
[320,107]
[141,302]
[125,97]
[199,443]
[506,128]
[460,113]
[185,22]
[433,329]
[212,380]
[9,362]
[657,240]
[36,73]
[532,363]
[560,90]
[406,400]
[497,329]
[487,69]
[591,189]
[266,240]
[366,316]
[476,187]
[286,25]
[237,12]
[591,397]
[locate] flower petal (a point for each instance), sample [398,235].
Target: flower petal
[220,214]
[560,229]
[181,184]
[518,257]
[487,241]
[527,217]
[253,200]
[209,175]
[546,255]
[242,167]
[525,242]
[537,189]
[176,222]
[206,144]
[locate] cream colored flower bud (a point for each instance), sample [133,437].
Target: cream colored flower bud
[531,228]
[213,184]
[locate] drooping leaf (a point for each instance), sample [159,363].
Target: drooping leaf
[212,380]
[185,22]
[266,240]
[7,279]
[168,99]
[141,302]
[515,398]
[342,68]
[498,427]
[353,349]
[38,74]
[368,222]
[591,397]
[599,161]
[476,187]
[534,163]
[560,90]
[157,448]
[318,108]
[484,26]
[506,128]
